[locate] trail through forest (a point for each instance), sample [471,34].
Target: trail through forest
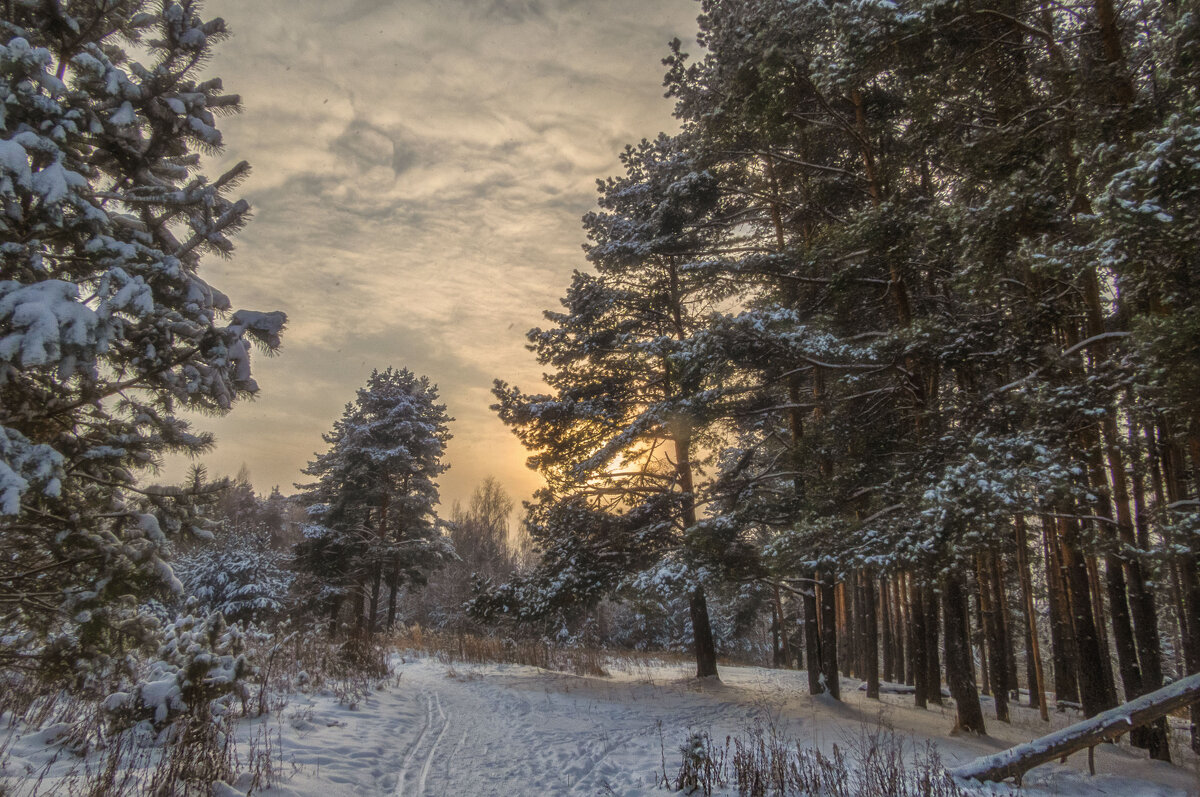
[513,730]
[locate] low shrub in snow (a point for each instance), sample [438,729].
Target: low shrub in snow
[201,667]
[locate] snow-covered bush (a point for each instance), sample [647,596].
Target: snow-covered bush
[201,668]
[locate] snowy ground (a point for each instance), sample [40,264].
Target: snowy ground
[512,730]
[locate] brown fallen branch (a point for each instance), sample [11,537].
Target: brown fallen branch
[1106,726]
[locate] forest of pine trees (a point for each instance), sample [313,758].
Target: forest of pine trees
[901,327]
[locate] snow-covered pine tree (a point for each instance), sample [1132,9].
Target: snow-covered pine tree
[106,328]
[373,503]
[779,96]
[621,438]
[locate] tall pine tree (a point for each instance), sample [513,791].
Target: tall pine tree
[107,330]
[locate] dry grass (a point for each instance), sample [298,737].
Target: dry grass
[758,763]
[475,649]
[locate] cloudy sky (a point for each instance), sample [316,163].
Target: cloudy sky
[420,168]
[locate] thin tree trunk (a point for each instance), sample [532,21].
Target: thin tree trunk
[776,654]
[845,638]
[885,615]
[1033,655]
[900,635]
[376,585]
[1189,573]
[360,616]
[979,638]
[861,610]
[702,636]
[393,592]
[335,605]
[999,576]
[1144,609]
[781,632]
[1098,612]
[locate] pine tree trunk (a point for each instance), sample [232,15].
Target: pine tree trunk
[870,635]
[812,638]
[996,667]
[1156,468]
[905,629]
[1098,612]
[702,636]
[393,592]
[781,640]
[1033,655]
[959,668]
[1062,643]
[1094,693]
[335,605]
[903,674]
[376,585]
[1122,627]
[706,651]
[885,615]
[860,625]
[916,644]
[978,639]
[776,655]
[829,642]
[1006,637]
[360,614]
[1145,614]
[1120,570]
[845,635]
[1190,573]
[933,676]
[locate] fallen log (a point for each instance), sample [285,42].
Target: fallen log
[889,688]
[1106,726]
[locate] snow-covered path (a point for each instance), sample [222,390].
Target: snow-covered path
[496,730]
[512,731]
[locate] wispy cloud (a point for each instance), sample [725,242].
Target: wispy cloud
[420,167]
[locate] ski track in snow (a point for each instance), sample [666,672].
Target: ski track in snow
[499,730]
[433,749]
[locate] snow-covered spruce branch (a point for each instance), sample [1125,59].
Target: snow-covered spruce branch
[116,387]
[1083,344]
